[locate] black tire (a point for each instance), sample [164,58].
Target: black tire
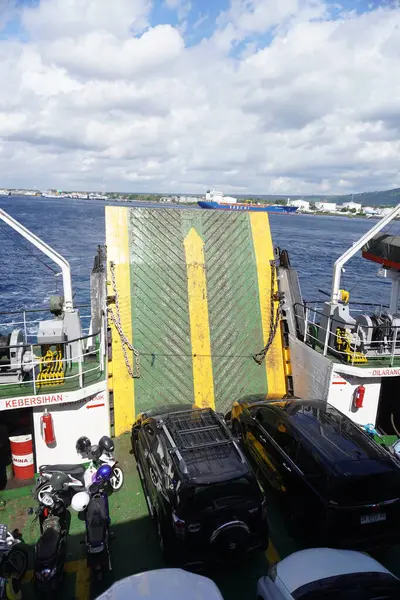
[15,563]
[164,542]
[236,430]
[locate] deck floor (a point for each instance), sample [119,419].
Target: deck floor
[372,363]
[135,548]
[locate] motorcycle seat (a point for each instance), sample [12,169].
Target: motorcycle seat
[74,470]
[97,521]
[47,545]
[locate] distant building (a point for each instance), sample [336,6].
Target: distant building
[301,204]
[326,206]
[384,211]
[370,210]
[352,206]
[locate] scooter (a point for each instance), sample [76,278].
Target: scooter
[101,454]
[50,549]
[97,521]
[79,477]
[13,563]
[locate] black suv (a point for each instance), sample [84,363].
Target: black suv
[199,487]
[336,484]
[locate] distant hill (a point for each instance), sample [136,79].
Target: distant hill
[384,198]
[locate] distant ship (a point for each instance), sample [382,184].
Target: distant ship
[215,199]
[5,193]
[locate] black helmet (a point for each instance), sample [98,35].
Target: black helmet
[95,452]
[83,445]
[106,444]
[58,480]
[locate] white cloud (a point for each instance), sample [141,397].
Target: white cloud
[97,96]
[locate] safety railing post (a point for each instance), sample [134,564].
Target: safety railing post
[33,371]
[393,346]
[80,372]
[328,330]
[305,325]
[25,330]
[102,349]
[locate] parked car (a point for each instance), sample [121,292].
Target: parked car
[337,486]
[200,489]
[327,574]
[163,584]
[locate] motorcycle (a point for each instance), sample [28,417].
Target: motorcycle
[97,521]
[50,550]
[101,454]
[13,564]
[79,477]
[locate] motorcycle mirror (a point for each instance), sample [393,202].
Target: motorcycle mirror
[30,510]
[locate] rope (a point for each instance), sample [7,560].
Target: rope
[116,319]
[274,317]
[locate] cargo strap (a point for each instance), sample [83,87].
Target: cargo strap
[116,319]
[274,317]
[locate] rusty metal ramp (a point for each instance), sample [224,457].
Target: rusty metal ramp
[190,302]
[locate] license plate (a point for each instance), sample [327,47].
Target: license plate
[373,518]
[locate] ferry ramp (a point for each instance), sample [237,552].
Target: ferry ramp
[193,293]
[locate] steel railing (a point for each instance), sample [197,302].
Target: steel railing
[82,359]
[30,326]
[382,349]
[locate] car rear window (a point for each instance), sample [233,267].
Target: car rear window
[224,494]
[365,489]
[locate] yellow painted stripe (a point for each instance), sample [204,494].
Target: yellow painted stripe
[271,553]
[82,584]
[263,249]
[117,241]
[203,382]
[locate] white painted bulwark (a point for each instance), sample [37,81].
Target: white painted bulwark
[89,416]
[341,395]
[50,399]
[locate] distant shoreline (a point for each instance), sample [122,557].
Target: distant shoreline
[143,203]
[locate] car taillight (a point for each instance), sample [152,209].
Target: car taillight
[179,526]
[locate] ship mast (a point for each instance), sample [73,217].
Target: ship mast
[48,251]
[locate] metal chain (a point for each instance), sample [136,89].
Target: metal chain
[274,317]
[116,319]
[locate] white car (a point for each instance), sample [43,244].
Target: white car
[163,584]
[327,574]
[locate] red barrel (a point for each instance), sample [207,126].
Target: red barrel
[22,456]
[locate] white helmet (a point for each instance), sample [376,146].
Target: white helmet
[80,501]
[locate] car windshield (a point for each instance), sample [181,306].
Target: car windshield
[355,586]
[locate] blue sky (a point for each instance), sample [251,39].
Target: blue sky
[199,20]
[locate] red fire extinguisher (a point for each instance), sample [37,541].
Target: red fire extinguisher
[359,396]
[47,428]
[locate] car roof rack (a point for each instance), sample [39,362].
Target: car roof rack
[197,429]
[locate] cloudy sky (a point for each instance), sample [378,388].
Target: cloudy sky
[257,96]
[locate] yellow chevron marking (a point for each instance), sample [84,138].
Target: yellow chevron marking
[203,382]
